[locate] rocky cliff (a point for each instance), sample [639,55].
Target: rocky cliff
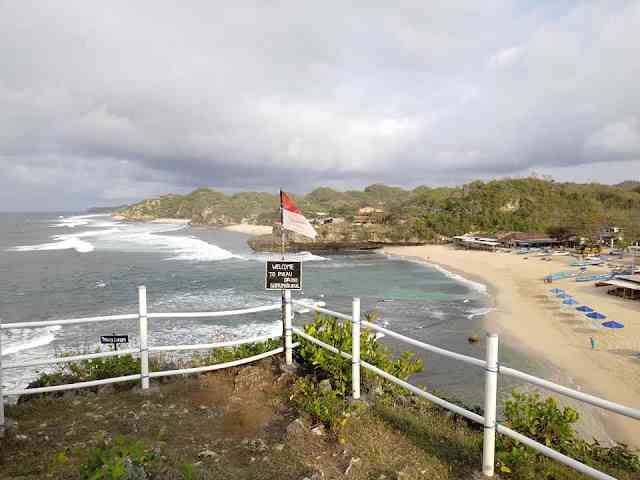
[339,238]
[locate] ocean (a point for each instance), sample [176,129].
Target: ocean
[57,266]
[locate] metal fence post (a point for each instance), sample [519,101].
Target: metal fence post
[355,348]
[490,400]
[144,345]
[2,425]
[288,348]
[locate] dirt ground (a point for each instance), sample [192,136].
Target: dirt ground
[229,424]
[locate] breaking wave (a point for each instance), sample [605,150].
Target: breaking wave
[126,237]
[72,243]
[26,339]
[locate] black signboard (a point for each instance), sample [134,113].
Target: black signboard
[282,275]
[114,339]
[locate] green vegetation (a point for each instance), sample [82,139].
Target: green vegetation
[89,370]
[257,422]
[544,421]
[323,394]
[510,204]
[123,365]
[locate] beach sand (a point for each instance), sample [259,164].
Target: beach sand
[249,229]
[527,315]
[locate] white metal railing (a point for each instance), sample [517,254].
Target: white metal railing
[490,365]
[492,369]
[144,349]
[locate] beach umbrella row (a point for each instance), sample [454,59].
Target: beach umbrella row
[588,311]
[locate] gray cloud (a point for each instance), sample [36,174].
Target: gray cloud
[104,102]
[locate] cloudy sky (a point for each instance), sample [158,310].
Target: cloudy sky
[105,102]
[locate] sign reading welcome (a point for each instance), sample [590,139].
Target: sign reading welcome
[281,275]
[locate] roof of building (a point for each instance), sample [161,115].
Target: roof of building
[623,284]
[524,236]
[630,278]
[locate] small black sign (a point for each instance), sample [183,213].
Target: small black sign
[114,339]
[281,275]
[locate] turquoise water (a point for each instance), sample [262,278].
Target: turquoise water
[64,266]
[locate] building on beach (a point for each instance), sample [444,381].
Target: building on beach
[611,235]
[527,240]
[625,286]
[473,242]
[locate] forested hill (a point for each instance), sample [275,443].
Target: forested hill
[521,204]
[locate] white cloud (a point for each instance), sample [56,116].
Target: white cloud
[251,96]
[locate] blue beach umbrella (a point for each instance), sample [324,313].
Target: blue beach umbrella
[613,324]
[563,295]
[570,301]
[584,309]
[596,315]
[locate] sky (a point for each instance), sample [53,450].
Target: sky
[104,103]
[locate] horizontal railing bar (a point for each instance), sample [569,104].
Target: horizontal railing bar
[73,358]
[570,462]
[322,310]
[223,313]
[217,366]
[71,386]
[549,452]
[569,392]
[206,346]
[320,343]
[443,403]
[426,346]
[421,393]
[49,323]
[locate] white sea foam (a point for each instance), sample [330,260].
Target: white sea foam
[72,243]
[28,339]
[479,312]
[131,238]
[294,257]
[477,286]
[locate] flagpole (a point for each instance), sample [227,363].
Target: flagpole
[281,228]
[282,294]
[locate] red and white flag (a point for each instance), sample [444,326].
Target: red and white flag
[292,218]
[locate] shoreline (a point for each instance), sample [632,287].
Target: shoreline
[246,228]
[520,301]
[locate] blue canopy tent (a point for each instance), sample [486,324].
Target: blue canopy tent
[596,315]
[612,324]
[585,309]
[570,301]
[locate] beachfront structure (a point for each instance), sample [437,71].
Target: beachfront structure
[472,242]
[527,240]
[625,286]
[611,235]
[369,215]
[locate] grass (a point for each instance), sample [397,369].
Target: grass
[240,423]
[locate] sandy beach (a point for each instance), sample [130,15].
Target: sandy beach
[249,229]
[540,325]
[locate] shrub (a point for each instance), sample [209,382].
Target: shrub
[331,405]
[114,461]
[89,370]
[547,423]
[324,364]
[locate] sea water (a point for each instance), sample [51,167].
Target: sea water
[69,265]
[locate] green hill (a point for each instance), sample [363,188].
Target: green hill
[511,204]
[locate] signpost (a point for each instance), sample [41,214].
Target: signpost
[282,275]
[114,340]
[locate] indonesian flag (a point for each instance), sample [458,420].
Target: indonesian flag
[292,218]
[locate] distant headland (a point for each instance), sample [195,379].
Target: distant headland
[386,215]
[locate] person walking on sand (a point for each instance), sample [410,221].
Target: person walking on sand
[593,343]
